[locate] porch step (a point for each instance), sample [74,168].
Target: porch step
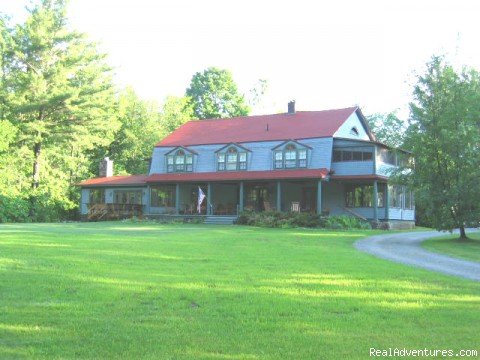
[220,220]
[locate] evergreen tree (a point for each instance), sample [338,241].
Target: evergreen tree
[59,86]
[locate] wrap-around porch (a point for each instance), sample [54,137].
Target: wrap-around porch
[308,195]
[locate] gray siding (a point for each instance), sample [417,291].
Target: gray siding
[353,167]
[259,158]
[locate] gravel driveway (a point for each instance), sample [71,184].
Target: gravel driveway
[405,248]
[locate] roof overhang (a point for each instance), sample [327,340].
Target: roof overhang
[115,181]
[296,174]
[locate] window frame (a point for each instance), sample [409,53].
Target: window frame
[96,196]
[339,155]
[363,193]
[180,161]
[170,192]
[237,164]
[290,156]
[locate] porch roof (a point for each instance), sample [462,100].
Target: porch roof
[129,180]
[239,175]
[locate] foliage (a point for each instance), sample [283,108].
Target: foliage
[388,128]
[136,291]
[138,133]
[444,135]
[176,111]
[13,209]
[214,94]
[345,222]
[57,94]
[276,219]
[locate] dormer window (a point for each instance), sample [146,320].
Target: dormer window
[180,161]
[291,156]
[232,159]
[354,131]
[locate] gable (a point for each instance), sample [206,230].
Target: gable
[352,128]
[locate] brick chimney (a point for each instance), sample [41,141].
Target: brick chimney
[291,107]
[105,168]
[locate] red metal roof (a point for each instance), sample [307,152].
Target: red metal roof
[239,175]
[115,180]
[300,125]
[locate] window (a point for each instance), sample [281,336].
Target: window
[127,197]
[180,161]
[232,160]
[337,156]
[387,156]
[351,155]
[395,195]
[162,196]
[290,157]
[97,196]
[409,200]
[354,131]
[362,196]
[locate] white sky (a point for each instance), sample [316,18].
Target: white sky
[323,54]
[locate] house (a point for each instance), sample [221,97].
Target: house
[326,162]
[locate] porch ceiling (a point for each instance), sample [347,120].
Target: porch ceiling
[240,175]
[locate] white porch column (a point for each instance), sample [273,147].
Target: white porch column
[375,200]
[319,197]
[177,198]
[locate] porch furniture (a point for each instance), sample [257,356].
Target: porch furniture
[267,206]
[220,209]
[295,206]
[229,209]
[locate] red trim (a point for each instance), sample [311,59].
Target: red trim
[240,175]
[115,181]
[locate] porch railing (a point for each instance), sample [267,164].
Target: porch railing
[113,211]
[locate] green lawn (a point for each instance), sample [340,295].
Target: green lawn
[450,245]
[123,290]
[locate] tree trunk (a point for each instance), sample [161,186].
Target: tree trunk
[463,235]
[37,149]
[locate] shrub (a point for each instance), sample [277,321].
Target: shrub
[346,222]
[294,220]
[13,209]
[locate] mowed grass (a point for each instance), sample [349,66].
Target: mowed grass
[130,291]
[450,245]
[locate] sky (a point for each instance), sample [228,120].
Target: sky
[323,54]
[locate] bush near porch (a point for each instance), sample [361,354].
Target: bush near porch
[274,219]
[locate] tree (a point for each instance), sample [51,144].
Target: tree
[176,111]
[388,128]
[214,94]
[444,135]
[59,85]
[139,131]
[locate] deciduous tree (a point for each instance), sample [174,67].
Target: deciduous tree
[444,135]
[214,94]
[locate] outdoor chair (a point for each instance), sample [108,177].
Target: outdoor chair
[295,206]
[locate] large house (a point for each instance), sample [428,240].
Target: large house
[327,162]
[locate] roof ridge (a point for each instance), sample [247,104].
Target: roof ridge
[274,114]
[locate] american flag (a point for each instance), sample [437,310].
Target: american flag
[201,197]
